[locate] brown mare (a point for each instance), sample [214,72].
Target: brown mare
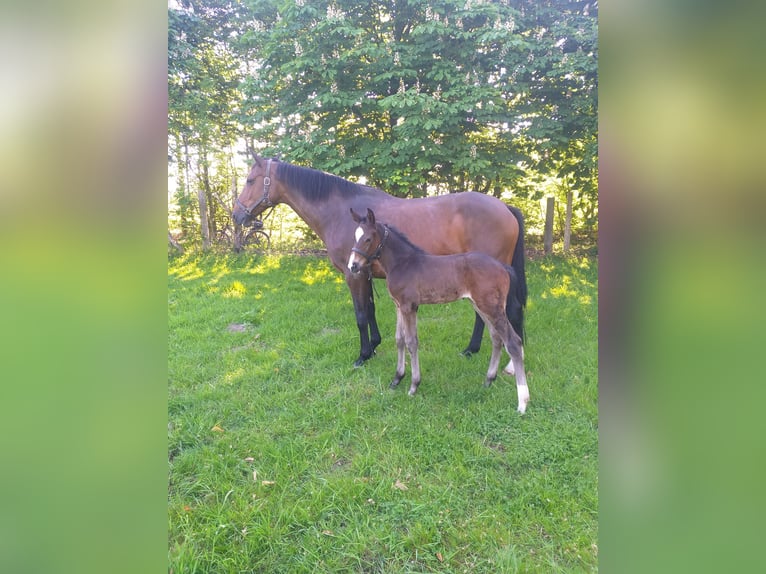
[415,278]
[441,225]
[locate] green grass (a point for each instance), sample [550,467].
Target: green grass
[284,458]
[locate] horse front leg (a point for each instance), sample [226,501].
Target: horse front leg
[400,357]
[410,320]
[475,343]
[364,309]
[374,331]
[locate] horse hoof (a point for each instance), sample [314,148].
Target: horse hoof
[488,383]
[467,353]
[361,360]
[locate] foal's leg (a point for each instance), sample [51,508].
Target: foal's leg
[513,346]
[497,351]
[411,342]
[400,358]
[510,369]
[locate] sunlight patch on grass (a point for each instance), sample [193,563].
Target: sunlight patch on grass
[265,264]
[221,269]
[234,375]
[567,290]
[317,273]
[188,270]
[236,290]
[564,289]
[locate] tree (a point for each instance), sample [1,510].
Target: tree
[416,96]
[406,93]
[203,88]
[561,101]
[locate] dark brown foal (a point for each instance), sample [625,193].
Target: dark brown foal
[414,277]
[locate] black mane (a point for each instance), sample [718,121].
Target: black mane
[314,184]
[400,235]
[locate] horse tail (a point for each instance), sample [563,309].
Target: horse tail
[513,307]
[518,291]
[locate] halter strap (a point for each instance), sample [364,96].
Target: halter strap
[265,199]
[376,255]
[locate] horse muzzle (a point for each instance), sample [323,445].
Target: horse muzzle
[240,216]
[355,264]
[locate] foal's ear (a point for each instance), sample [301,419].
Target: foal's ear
[370,216]
[355,216]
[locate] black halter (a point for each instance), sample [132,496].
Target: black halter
[265,199]
[376,255]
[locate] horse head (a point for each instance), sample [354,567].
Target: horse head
[257,194]
[370,239]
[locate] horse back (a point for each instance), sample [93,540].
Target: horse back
[455,223]
[431,279]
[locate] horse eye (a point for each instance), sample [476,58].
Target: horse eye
[250,181]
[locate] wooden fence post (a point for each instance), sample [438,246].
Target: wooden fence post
[548,236]
[568,222]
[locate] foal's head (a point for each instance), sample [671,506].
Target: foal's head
[370,239]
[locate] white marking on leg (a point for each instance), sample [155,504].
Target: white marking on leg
[510,369]
[523,392]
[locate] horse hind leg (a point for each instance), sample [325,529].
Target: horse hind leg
[494,360]
[510,369]
[515,350]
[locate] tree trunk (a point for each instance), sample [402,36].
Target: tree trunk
[568,222]
[548,237]
[202,199]
[184,184]
[173,243]
[236,238]
[211,206]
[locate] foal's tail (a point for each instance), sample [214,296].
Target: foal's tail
[517,295]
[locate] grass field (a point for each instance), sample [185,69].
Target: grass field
[284,458]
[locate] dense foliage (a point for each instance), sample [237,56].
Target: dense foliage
[414,96]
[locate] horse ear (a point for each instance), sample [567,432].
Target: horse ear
[355,216]
[370,216]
